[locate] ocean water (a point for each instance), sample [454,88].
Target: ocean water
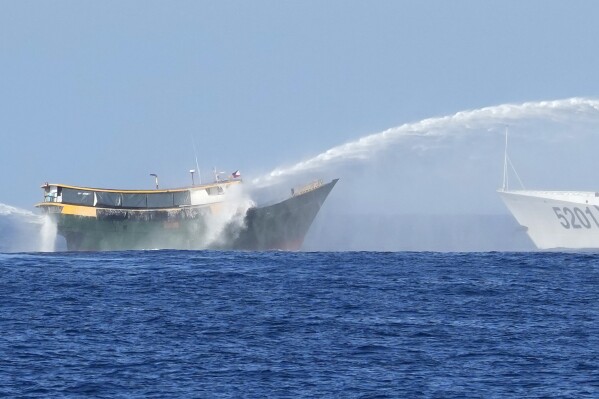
[162,324]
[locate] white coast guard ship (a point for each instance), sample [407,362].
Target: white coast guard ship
[554,219]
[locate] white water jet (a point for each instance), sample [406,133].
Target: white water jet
[439,127]
[26,216]
[19,229]
[431,185]
[48,235]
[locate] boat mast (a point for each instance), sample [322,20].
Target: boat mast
[195,154]
[507,163]
[505,174]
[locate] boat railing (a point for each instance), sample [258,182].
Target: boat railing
[306,188]
[52,197]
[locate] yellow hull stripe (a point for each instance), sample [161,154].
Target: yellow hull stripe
[79,210]
[70,209]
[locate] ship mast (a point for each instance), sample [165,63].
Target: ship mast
[193,142]
[507,163]
[505,174]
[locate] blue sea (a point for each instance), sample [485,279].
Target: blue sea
[173,324]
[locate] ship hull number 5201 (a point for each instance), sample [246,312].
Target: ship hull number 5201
[576,218]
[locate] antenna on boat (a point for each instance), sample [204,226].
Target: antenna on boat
[195,154]
[505,174]
[155,179]
[192,171]
[507,163]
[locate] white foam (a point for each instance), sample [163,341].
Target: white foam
[231,214]
[21,230]
[48,235]
[28,216]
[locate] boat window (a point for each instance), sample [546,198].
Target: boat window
[134,200]
[108,199]
[160,200]
[215,190]
[77,197]
[50,194]
[182,198]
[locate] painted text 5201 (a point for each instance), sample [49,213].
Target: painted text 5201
[576,218]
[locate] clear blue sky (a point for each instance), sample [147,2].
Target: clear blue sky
[104,93]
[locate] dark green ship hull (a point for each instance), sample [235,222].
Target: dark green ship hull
[280,226]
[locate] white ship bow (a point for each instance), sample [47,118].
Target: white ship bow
[556,219]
